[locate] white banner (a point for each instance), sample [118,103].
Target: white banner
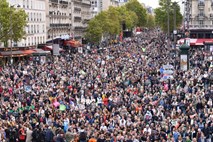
[183,62]
[56,49]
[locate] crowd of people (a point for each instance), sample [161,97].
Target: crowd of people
[117,94]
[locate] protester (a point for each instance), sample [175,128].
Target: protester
[115,94]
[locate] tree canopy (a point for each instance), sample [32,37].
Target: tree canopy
[12,22]
[109,23]
[140,11]
[150,21]
[161,15]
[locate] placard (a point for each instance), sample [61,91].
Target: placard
[183,62]
[56,49]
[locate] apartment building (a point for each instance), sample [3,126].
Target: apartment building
[81,14]
[59,19]
[36,26]
[102,5]
[67,18]
[200,18]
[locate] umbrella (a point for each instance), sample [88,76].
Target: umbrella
[56,104]
[62,107]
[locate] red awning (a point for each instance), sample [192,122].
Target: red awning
[195,42]
[28,51]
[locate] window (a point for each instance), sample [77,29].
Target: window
[208,35]
[37,28]
[31,29]
[27,3]
[34,29]
[201,23]
[31,16]
[200,35]
[23,3]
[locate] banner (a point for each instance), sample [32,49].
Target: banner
[56,49]
[183,62]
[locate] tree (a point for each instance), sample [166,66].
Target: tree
[150,21]
[128,17]
[94,31]
[161,15]
[12,23]
[140,11]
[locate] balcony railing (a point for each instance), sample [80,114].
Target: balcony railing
[77,8]
[63,2]
[86,2]
[201,5]
[201,16]
[77,1]
[200,27]
[77,18]
[59,25]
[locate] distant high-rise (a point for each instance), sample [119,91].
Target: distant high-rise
[199,18]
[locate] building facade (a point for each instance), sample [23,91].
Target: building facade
[200,18]
[59,19]
[103,5]
[36,26]
[67,18]
[81,14]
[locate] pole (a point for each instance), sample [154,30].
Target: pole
[70,17]
[168,23]
[52,25]
[11,34]
[175,4]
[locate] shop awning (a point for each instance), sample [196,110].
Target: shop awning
[195,42]
[40,52]
[9,53]
[50,48]
[28,52]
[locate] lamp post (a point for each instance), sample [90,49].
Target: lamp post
[175,31]
[168,23]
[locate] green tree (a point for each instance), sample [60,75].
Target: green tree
[94,31]
[150,21]
[109,23]
[161,15]
[140,11]
[12,23]
[128,17]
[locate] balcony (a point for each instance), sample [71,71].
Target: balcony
[201,5]
[77,8]
[54,1]
[63,2]
[86,3]
[77,18]
[201,17]
[57,25]
[78,1]
[197,27]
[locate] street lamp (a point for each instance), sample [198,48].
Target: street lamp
[11,32]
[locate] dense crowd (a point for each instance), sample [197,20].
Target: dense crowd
[116,94]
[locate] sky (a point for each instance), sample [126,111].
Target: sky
[152,3]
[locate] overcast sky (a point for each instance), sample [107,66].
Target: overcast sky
[154,3]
